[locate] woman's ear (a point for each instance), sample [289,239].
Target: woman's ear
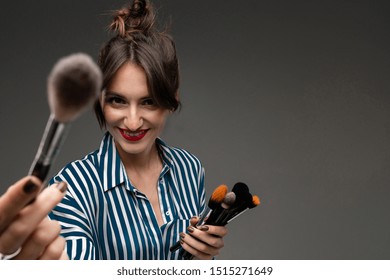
[101,98]
[177,96]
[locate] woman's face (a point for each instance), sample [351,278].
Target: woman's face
[131,116]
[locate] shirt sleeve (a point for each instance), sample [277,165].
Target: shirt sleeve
[75,227]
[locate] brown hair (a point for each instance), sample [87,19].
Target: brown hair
[138,41]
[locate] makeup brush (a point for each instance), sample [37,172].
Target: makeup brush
[242,201]
[216,198]
[222,210]
[243,196]
[234,203]
[73,84]
[254,203]
[219,206]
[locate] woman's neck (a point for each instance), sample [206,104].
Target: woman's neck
[142,162]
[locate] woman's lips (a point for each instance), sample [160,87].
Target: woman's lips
[133,136]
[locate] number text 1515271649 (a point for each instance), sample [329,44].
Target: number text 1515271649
[240,270]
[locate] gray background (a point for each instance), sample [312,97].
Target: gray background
[290,97]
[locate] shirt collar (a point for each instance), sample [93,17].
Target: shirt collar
[111,169]
[164,151]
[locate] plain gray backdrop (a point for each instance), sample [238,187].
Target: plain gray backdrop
[290,97]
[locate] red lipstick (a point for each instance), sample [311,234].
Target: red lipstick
[133,136]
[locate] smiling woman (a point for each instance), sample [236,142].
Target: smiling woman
[136,196]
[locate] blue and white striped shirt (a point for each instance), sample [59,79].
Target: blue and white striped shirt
[103,216]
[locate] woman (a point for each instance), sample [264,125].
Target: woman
[135,196]
[25,231]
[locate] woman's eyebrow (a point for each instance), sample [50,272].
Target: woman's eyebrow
[109,92]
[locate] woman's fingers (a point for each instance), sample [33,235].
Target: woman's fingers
[64,256]
[220,231]
[203,242]
[42,242]
[16,197]
[30,217]
[195,252]
[55,250]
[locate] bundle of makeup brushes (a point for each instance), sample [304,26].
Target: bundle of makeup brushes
[223,207]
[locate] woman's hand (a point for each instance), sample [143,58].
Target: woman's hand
[25,229]
[203,242]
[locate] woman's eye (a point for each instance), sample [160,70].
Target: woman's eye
[148,102]
[115,100]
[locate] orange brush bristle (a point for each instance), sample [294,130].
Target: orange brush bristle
[255,201]
[215,201]
[219,193]
[217,196]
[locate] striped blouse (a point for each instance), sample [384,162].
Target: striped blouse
[103,216]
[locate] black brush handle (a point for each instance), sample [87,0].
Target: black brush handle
[52,140]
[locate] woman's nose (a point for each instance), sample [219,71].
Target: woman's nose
[133,120]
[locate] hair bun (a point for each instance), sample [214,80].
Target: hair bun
[138,9]
[137,17]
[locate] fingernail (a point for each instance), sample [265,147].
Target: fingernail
[190,229]
[62,186]
[29,187]
[204,228]
[182,235]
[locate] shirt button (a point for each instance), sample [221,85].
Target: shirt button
[168,213]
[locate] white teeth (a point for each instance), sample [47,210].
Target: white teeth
[132,134]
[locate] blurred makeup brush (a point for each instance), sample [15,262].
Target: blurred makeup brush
[73,84]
